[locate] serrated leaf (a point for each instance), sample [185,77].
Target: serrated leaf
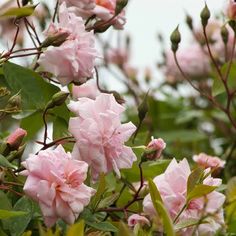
[76,229]
[103,226]
[200,190]
[5,163]
[108,200]
[19,11]
[194,179]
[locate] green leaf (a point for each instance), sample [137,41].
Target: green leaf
[18,224]
[187,223]
[218,86]
[194,179]
[5,163]
[35,92]
[124,230]
[231,190]
[19,11]
[168,225]
[76,229]
[60,128]
[200,190]
[4,201]
[108,200]
[160,208]
[5,214]
[155,194]
[100,191]
[103,226]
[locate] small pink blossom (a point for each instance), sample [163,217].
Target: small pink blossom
[207,161]
[172,185]
[74,59]
[100,135]
[55,181]
[82,4]
[117,56]
[192,60]
[88,89]
[137,219]
[231,10]
[15,139]
[156,146]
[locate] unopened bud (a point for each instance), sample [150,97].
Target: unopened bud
[232,24]
[15,139]
[143,109]
[118,97]
[120,5]
[55,40]
[224,34]
[175,39]
[101,28]
[189,22]
[205,16]
[155,148]
[57,99]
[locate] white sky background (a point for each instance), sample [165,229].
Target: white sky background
[147,17]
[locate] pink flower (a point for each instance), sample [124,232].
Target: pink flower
[74,59]
[207,161]
[82,4]
[117,56]
[88,89]
[231,9]
[100,135]
[192,60]
[156,146]
[55,181]
[172,185]
[137,219]
[15,139]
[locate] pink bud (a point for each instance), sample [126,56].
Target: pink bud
[15,139]
[156,146]
[231,10]
[207,161]
[137,219]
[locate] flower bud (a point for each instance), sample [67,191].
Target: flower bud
[15,139]
[137,219]
[57,99]
[143,109]
[55,40]
[118,97]
[189,22]
[155,148]
[205,16]
[224,34]
[175,39]
[120,5]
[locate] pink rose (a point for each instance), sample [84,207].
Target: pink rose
[117,56]
[156,146]
[231,9]
[137,219]
[88,89]
[172,185]
[82,4]
[55,181]
[15,139]
[74,59]
[192,60]
[207,161]
[100,135]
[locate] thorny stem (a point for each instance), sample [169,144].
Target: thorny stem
[55,11]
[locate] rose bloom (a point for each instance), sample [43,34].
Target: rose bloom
[172,185]
[88,89]
[117,56]
[137,219]
[104,10]
[192,60]
[55,181]
[207,161]
[82,4]
[74,59]
[100,135]
[231,9]
[157,146]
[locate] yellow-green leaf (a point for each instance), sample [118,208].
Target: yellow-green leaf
[19,11]
[76,229]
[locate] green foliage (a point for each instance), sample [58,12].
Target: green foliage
[19,12]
